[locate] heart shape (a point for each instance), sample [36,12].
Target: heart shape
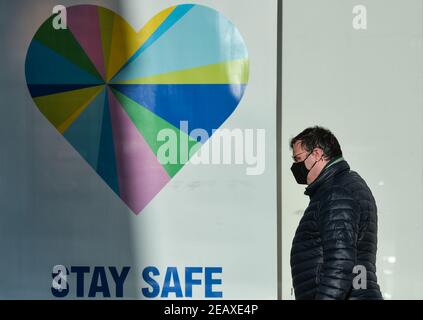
[110,90]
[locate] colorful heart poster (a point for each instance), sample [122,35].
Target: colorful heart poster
[110,90]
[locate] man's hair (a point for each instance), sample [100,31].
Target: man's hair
[319,137]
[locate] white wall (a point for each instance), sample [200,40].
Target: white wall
[367,87]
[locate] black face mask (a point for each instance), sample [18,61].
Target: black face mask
[300,171]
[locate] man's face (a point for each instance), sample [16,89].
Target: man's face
[299,154]
[313,161]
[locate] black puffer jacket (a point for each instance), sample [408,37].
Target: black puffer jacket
[337,232]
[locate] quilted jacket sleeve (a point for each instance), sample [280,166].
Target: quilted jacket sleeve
[338,221]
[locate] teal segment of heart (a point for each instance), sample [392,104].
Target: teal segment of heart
[202,37]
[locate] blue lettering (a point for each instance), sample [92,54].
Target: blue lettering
[210,281]
[119,279]
[154,285]
[189,281]
[80,271]
[171,273]
[99,274]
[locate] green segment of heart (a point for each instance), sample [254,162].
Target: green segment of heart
[150,125]
[64,43]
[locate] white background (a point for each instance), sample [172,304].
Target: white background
[367,87]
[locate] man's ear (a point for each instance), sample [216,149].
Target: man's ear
[318,153]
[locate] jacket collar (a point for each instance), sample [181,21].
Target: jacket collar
[331,169]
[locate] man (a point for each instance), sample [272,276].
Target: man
[333,254]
